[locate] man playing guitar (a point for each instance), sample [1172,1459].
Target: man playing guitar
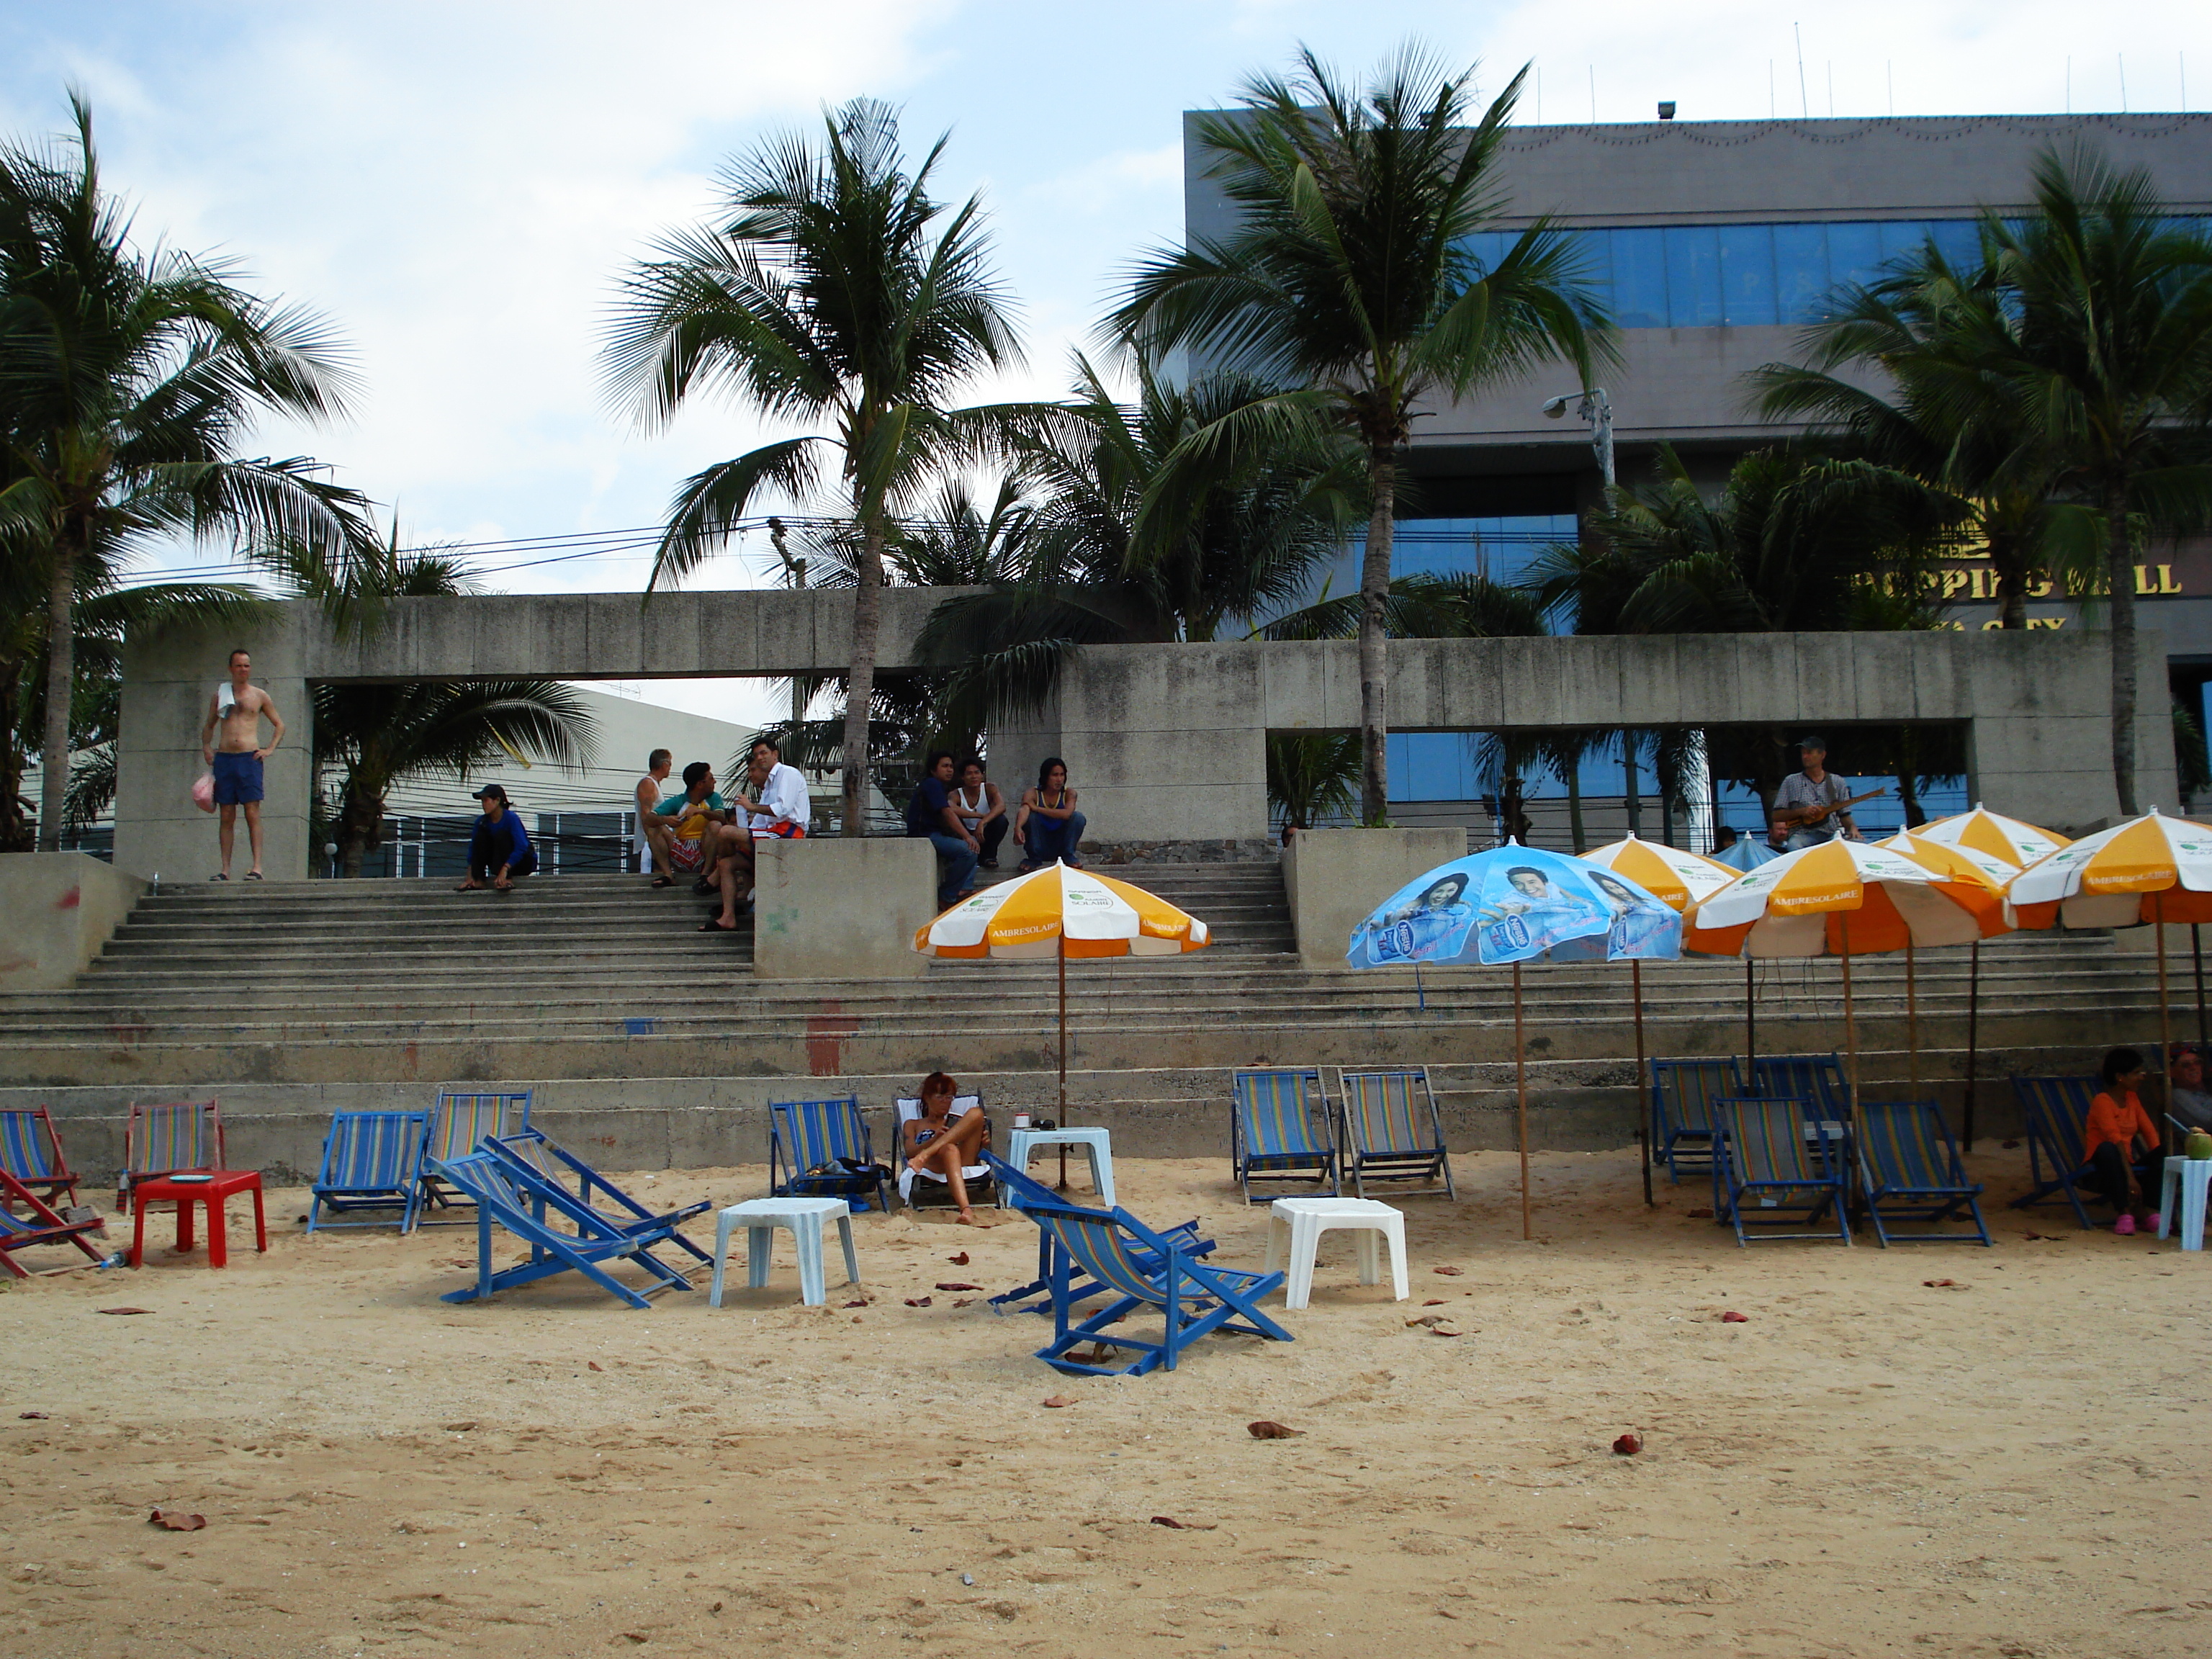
[1813,805]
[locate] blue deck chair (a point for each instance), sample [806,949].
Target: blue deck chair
[1682,1096]
[1024,1191]
[534,1150]
[457,1122]
[1392,1131]
[370,1161]
[1279,1130]
[821,1149]
[564,1234]
[1775,1179]
[2056,1111]
[38,1225]
[31,1151]
[1909,1171]
[1816,1079]
[1150,1270]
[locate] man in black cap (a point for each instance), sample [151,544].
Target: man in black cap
[1804,794]
[499,846]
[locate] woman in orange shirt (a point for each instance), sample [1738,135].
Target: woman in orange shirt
[2117,1123]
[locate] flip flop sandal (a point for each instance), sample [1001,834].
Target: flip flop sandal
[218,878]
[253,875]
[706,887]
[716,927]
[664,881]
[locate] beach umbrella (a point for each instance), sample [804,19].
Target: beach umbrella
[1960,863]
[1677,879]
[1841,898]
[1749,853]
[1512,904]
[1060,912]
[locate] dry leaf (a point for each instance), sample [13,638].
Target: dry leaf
[460,1428]
[917,1302]
[862,1302]
[1443,1330]
[1699,1215]
[1183,1526]
[176,1523]
[1942,1284]
[960,1261]
[1265,1430]
[965,1302]
[1627,1446]
[31,1417]
[1428,1319]
[1054,1402]
[1734,1318]
[957,1286]
[595,1364]
[126,1311]
[1453,1270]
[1434,1301]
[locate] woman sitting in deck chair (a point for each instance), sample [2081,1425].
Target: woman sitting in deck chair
[939,1143]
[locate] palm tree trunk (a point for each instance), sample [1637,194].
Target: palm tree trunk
[2120,565]
[1374,642]
[2010,569]
[61,674]
[867,609]
[14,833]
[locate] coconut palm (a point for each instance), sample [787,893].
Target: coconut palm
[1349,276]
[1312,775]
[128,382]
[829,294]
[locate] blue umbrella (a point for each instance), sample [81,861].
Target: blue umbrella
[1749,853]
[1513,904]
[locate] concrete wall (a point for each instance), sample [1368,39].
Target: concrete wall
[1335,878]
[57,910]
[841,909]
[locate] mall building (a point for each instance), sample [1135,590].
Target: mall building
[1712,243]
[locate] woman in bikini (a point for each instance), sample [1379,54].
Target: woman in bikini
[940,1141]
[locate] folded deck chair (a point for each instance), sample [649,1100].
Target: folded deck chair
[1279,1130]
[31,1151]
[370,1161]
[1774,1177]
[921,1188]
[1910,1171]
[564,1234]
[1816,1079]
[1392,1131]
[167,1139]
[38,1225]
[2055,1111]
[1682,1096]
[533,1149]
[1150,1270]
[457,1122]
[821,1149]
[1024,1191]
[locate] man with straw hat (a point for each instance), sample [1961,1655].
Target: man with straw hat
[1810,803]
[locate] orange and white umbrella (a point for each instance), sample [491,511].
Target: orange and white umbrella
[1672,874]
[1981,830]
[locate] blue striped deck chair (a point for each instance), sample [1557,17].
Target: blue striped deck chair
[1682,1096]
[31,1151]
[1774,1178]
[164,1139]
[1909,1171]
[1150,1270]
[564,1234]
[1392,1131]
[370,1161]
[821,1149]
[1816,1079]
[38,1225]
[458,1121]
[1025,1191]
[1279,1130]
[2056,1113]
[533,1149]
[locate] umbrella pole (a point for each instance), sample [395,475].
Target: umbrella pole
[1750,1028]
[1521,1087]
[1912,1021]
[1642,1089]
[1851,1024]
[1973,1032]
[1063,1057]
[2196,958]
[2165,1012]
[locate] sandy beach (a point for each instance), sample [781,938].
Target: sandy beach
[2011,1462]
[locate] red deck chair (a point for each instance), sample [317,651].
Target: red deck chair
[40,1226]
[31,1151]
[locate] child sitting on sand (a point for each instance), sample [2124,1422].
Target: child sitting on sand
[2117,1123]
[939,1141]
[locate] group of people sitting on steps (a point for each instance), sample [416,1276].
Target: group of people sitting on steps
[699,833]
[965,818]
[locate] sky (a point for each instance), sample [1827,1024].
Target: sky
[458,187]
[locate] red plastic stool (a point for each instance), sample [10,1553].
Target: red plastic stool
[184,1192]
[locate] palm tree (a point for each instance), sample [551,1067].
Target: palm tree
[1311,776]
[127,384]
[1349,276]
[826,295]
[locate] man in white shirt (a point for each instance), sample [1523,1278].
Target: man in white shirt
[1811,806]
[773,805]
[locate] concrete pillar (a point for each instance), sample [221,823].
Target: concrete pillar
[2039,741]
[58,910]
[841,909]
[1166,743]
[1335,879]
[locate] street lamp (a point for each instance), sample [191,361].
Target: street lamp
[1597,408]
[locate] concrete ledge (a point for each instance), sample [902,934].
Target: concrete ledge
[57,910]
[842,909]
[1335,878]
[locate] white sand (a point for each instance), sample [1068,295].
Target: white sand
[2015,1466]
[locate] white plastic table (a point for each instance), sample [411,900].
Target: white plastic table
[2187,1177]
[804,1217]
[1021,1143]
[1302,1221]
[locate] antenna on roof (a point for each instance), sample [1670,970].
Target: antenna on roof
[1804,102]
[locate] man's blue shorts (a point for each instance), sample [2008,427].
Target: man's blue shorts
[237,779]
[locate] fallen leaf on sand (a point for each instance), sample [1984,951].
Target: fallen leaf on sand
[862,1302]
[960,1261]
[1733,1318]
[460,1428]
[176,1523]
[917,1302]
[965,1302]
[1428,1319]
[1453,1271]
[1627,1446]
[1183,1526]
[1699,1215]
[126,1311]
[1267,1430]
[1444,1330]
[1434,1301]
[595,1365]
[958,1286]
[1942,1284]
[1055,1401]
[31,1417]
[2048,1238]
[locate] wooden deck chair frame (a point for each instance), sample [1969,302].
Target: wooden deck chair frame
[1149,1269]
[1682,1096]
[534,1149]
[40,1223]
[370,1161]
[489,1112]
[1766,1165]
[516,1197]
[1910,1171]
[1258,1111]
[1025,1192]
[918,1191]
[31,1151]
[806,1136]
[154,1138]
[2054,1117]
[1393,1133]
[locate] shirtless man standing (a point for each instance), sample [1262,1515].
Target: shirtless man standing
[236,755]
[653,831]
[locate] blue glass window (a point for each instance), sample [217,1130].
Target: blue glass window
[1747,275]
[1854,252]
[1801,270]
[1693,276]
[1960,240]
[1639,277]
